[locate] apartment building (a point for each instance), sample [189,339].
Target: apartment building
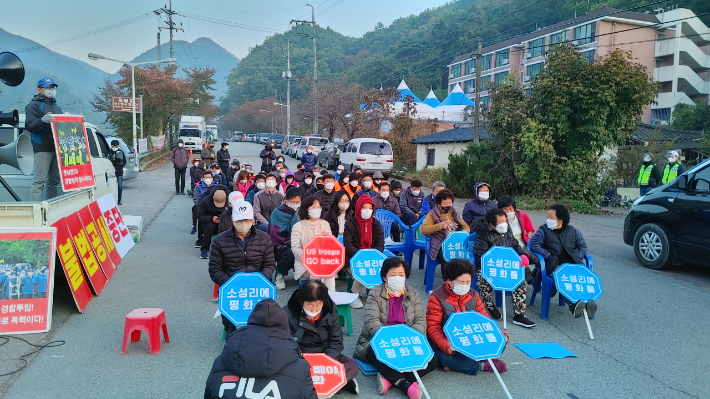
[673,45]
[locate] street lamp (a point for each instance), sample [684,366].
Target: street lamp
[133,65]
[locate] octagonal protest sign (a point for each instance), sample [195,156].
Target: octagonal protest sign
[453,247]
[500,266]
[474,335]
[240,294]
[366,265]
[578,283]
[328,374]
[401,348]
[323,256]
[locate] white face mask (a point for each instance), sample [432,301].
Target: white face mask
[502,228]
[346,180]
[385,194]
[180,144]
[343,206]
[396,283]
[260,185]
[353,183]
[366,213]
[293,206]
[242,227]
[460,289]
[416,192]
[243,181]
[114,149]
[271,183]
[208,181]
[216,172]
[484,195]
[367,184]
[314,213]
[309,151]
[196,163]
[308,181]
[671,160]
[310,314]
[282,175]
[50,93]
[647,159]
[329,185]
[510,216]
[551,224]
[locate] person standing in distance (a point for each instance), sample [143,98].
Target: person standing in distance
[39,115]
[118,158]
[180,158]
[673,168]
[649,174]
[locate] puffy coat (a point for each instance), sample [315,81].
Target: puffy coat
[309,161]
[442,303]
[227,255]
[325,336]
[476,209]
[550,245]
[265,354]
[301,234]
[332,219]
[207,209]
[267,157]
[377,310]
[325,199]
[487,237]
[41,133]
[265,203]
[351,238]
[180,157]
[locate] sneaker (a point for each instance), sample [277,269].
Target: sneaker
[382,384]
[198,243]
[414,392]
[357,304]
[280,283]
[578,309]
[182,192]
[352,387]
[177,192]
[120,203]
[500,366]
[194,230]
[523,321]
[495,313]
[203,254]
[591,308]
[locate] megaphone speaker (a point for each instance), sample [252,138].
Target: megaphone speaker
[12,72]
[10,118]
[19,154]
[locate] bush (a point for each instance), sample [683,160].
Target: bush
[476,164]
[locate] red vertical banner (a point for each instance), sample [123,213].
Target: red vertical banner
[72,147]
[83,248]
[93,234]
[105,234]
[72,266]
[26,279]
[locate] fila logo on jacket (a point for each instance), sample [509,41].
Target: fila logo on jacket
[245,388]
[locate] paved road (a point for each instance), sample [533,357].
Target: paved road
[651,327]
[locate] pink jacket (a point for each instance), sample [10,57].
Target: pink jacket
[525,223]
[243,188]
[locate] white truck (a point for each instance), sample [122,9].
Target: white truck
[192,131]
[212,132]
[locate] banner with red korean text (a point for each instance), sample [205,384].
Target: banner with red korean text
[114,221]
[93,235]
[27,279]
[105,233]
[72,148]
[97,278]
[71,263]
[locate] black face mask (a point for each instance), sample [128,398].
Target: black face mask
[302,170]
[445,209]
[320,186]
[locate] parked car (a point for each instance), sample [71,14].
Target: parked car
[293,146]
[371,155]
[316,142]
[251,138]
[130,171]
[278,139]
[263,138]
[671,223]
[329,156]
[288,141]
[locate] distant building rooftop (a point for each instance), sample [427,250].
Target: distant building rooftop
[459,134]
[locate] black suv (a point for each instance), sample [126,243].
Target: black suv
[671,223]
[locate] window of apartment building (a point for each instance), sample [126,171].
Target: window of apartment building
[486,62]
[470,85]
[485,82]
[500,76]
[456,71]
[484,100]
[661,36]
[470,64]
[534,69]
[589,55]
[559,37]
[502,58]
[585,34]
[430,157]
[536,48]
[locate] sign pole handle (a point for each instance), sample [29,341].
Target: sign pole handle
[421,385]
[495,370]
[505,317]
[589,327]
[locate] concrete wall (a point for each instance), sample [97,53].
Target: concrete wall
[441,153]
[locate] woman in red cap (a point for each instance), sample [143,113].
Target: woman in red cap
[362,232]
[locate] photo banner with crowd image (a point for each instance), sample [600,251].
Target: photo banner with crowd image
[26,279]
[72,148]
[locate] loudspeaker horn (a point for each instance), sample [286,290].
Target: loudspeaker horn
[19,154]
[12,72]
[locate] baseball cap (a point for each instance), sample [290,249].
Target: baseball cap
[235,196]
[341,167]
[673,153]
[219,198]
[46,82]
[242,210]
[235,162]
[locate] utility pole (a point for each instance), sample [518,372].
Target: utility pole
[315,65]
[477,105]
[170,23]
[159,66]
[288,87]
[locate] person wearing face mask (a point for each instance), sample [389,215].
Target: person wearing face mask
[673,168]
[519,221]
[453,296]
[559,242]
[317,171]
[342,181]
[476,209]
[339,172]
[430,200]
[439,222]
[233,171]
[241,249]
[118,158]
[281,224]
[385,200]
[319,185]
[309,226]
[180,158]
[201,189]
[309,159]
[410,201]
[340,211]
[313,319]
[396,189]
[368,188]
[39,114]
[649,174]
[300,173]
[361,232]
[223,157]
[327,194]
[388,304]
[218,176]
[377,179]
[282,170]
[307,182]
[352,187]
[225,218]
[208,212]
[196,171]
[495,231]
[267,156]
[207,154]
[242,183]
[289,181]
[265,201]
[259,184]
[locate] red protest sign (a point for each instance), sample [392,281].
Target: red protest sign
[323,256]
[328,374]
[114,221]
[105,234]
[124,104]
[93,234]
[86,254]
[26,279]
[72,266]
[72,148]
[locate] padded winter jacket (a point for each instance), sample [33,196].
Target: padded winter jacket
[227,255]
[351,238]
[41,133]
[323,336]
[442,303]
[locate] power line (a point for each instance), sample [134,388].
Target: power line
[337,3]
[232,24]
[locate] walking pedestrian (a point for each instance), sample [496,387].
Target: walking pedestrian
[180,157]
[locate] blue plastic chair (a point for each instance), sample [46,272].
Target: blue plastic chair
[468,245]
[387,219]
[416,244]
[548,283]
[430,267]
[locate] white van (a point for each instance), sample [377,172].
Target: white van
[288,143]
[372,155]
[316,142]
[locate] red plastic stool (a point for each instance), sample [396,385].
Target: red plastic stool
[215,293]
[149,320]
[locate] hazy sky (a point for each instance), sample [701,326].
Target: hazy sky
[47,21]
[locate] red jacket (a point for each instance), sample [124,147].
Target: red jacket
[526,224]
[435,314]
